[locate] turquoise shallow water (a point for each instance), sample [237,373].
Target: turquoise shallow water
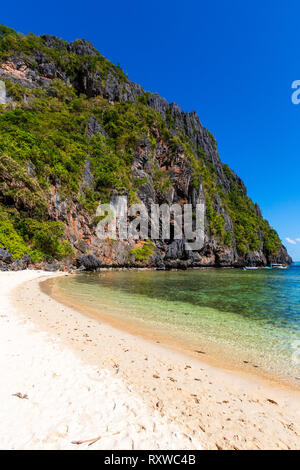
[245,316]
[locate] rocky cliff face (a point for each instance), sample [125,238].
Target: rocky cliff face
[77,131]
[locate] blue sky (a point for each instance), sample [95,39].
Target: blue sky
[231,61]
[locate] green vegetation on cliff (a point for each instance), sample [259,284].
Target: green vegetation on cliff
[45,143]
[144,252]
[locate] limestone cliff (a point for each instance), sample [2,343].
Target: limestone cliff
[76,131]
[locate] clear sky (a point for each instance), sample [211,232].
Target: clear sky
[231,61]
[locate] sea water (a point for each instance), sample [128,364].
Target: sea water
[251,317]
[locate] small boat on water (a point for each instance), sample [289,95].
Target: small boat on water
[273,266]
[279,266]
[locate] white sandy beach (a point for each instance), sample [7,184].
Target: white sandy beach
[80,379]
[62,400]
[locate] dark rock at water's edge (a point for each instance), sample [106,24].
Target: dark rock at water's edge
[89,263]
[175,161]
[52,267]
[5,256]
[7,263]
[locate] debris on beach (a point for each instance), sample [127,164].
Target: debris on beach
[88,441]
[272,401]
[20,395]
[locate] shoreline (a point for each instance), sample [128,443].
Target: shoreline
[66,269]
[222,409]
[207,353]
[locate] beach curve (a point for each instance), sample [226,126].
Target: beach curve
[218,408]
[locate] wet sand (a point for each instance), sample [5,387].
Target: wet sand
[212,353]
